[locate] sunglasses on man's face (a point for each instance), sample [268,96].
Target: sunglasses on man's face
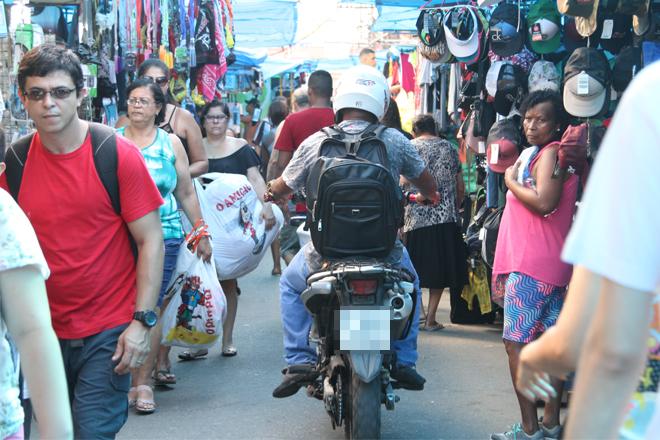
[37,94]
[160,80]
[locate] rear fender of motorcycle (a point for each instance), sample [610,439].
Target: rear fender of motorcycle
[366,364]
[318,294]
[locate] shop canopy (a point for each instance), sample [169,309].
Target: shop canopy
[409,3]
[265,23]
[396,19]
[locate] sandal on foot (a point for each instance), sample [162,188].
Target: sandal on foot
[132,396]
[432,328]
[193,355]
[164,377]
[145,406]
[276,271]
[229,351]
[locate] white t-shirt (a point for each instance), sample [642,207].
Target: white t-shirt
[18,248]
[617,231]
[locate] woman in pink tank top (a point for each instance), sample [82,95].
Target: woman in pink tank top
[529,278]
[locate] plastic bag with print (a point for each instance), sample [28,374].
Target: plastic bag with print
[232,210]
[197,308]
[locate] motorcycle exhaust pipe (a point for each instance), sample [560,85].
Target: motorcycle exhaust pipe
[401,305]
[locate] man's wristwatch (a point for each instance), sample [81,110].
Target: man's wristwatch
[148,318]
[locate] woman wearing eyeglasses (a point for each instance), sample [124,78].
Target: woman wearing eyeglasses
[168,166]
[176,120]
[228,154]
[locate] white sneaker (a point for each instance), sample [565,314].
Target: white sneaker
[517,433]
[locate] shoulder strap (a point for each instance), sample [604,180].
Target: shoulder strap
[104,148]
[15,160]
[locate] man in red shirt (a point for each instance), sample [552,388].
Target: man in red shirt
[296,128]
[95,287]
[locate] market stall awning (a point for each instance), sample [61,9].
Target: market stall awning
[396,19]
[265,23]
[409,3]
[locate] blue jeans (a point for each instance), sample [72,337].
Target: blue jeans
[172,246]
[98,394]
[296,320]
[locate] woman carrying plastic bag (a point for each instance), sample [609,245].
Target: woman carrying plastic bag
[197,308]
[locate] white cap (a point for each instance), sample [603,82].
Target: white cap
[462,48]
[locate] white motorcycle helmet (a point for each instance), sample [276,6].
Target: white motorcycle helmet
[365,88]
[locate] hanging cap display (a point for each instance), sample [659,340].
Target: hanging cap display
[503,145]
[587,78]
[576,8]
[429,27]
[572,38]
[544,24]
[511,85]
[543,76]
[616,31]
[642,23]
[586,26]
[627,64]
[492,76]
[461,27]
[505,30]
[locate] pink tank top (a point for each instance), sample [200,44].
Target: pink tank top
[530,243]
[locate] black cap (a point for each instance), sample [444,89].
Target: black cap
[506,33]
[511,87]
[621,31]
[627,64]
[429,27]
[590,60]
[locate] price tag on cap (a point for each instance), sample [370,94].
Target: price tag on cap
[583,84]
[608,28]
[494,153]
[537,35]
[482,147]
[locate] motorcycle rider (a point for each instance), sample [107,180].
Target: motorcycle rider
[361,100]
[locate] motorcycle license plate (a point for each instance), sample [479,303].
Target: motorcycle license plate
[365,329]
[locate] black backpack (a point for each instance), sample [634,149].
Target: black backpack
[489,241]
[104,144]
[354,205]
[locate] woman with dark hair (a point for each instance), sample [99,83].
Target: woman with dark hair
[433,237]
[229,155]
[529,277]
[176,120]
[392,118]
[168,166]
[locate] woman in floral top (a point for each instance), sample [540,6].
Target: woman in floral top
[432,235]
[25,316]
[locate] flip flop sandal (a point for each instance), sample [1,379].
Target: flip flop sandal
[229,351]
[276,272]
[193,355]
[433,328]
[164,377]
[145,406]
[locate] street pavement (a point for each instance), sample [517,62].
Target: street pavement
[468,393]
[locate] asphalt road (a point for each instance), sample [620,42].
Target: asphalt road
[468,393]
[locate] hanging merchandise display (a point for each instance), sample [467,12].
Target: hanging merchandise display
[192,37]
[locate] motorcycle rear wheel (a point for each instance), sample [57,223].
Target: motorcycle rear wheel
[363,409]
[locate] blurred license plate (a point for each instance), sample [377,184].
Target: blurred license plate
[364,329]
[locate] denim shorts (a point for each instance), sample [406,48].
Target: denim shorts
[172,246]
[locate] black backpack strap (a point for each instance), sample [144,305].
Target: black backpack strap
[104,145]
[15,159]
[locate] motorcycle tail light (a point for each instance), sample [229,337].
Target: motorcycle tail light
[363,287]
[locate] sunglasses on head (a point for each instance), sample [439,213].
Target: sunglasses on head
[160,80]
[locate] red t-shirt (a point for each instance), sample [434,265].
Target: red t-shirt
[301,125]
[92,286]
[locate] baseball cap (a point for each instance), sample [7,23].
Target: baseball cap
[572,38]
[572,153]
[642,22]
[544,23]
[616,31]
[510,80]
[461,28]
[633,7]
[586,26]
[505,30]
[576,8]
[627,64]
[587,79]
[503,145]
[543,75]
[492,75]
[429,27]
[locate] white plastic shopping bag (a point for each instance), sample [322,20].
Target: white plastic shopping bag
[198,306]
[232,211]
